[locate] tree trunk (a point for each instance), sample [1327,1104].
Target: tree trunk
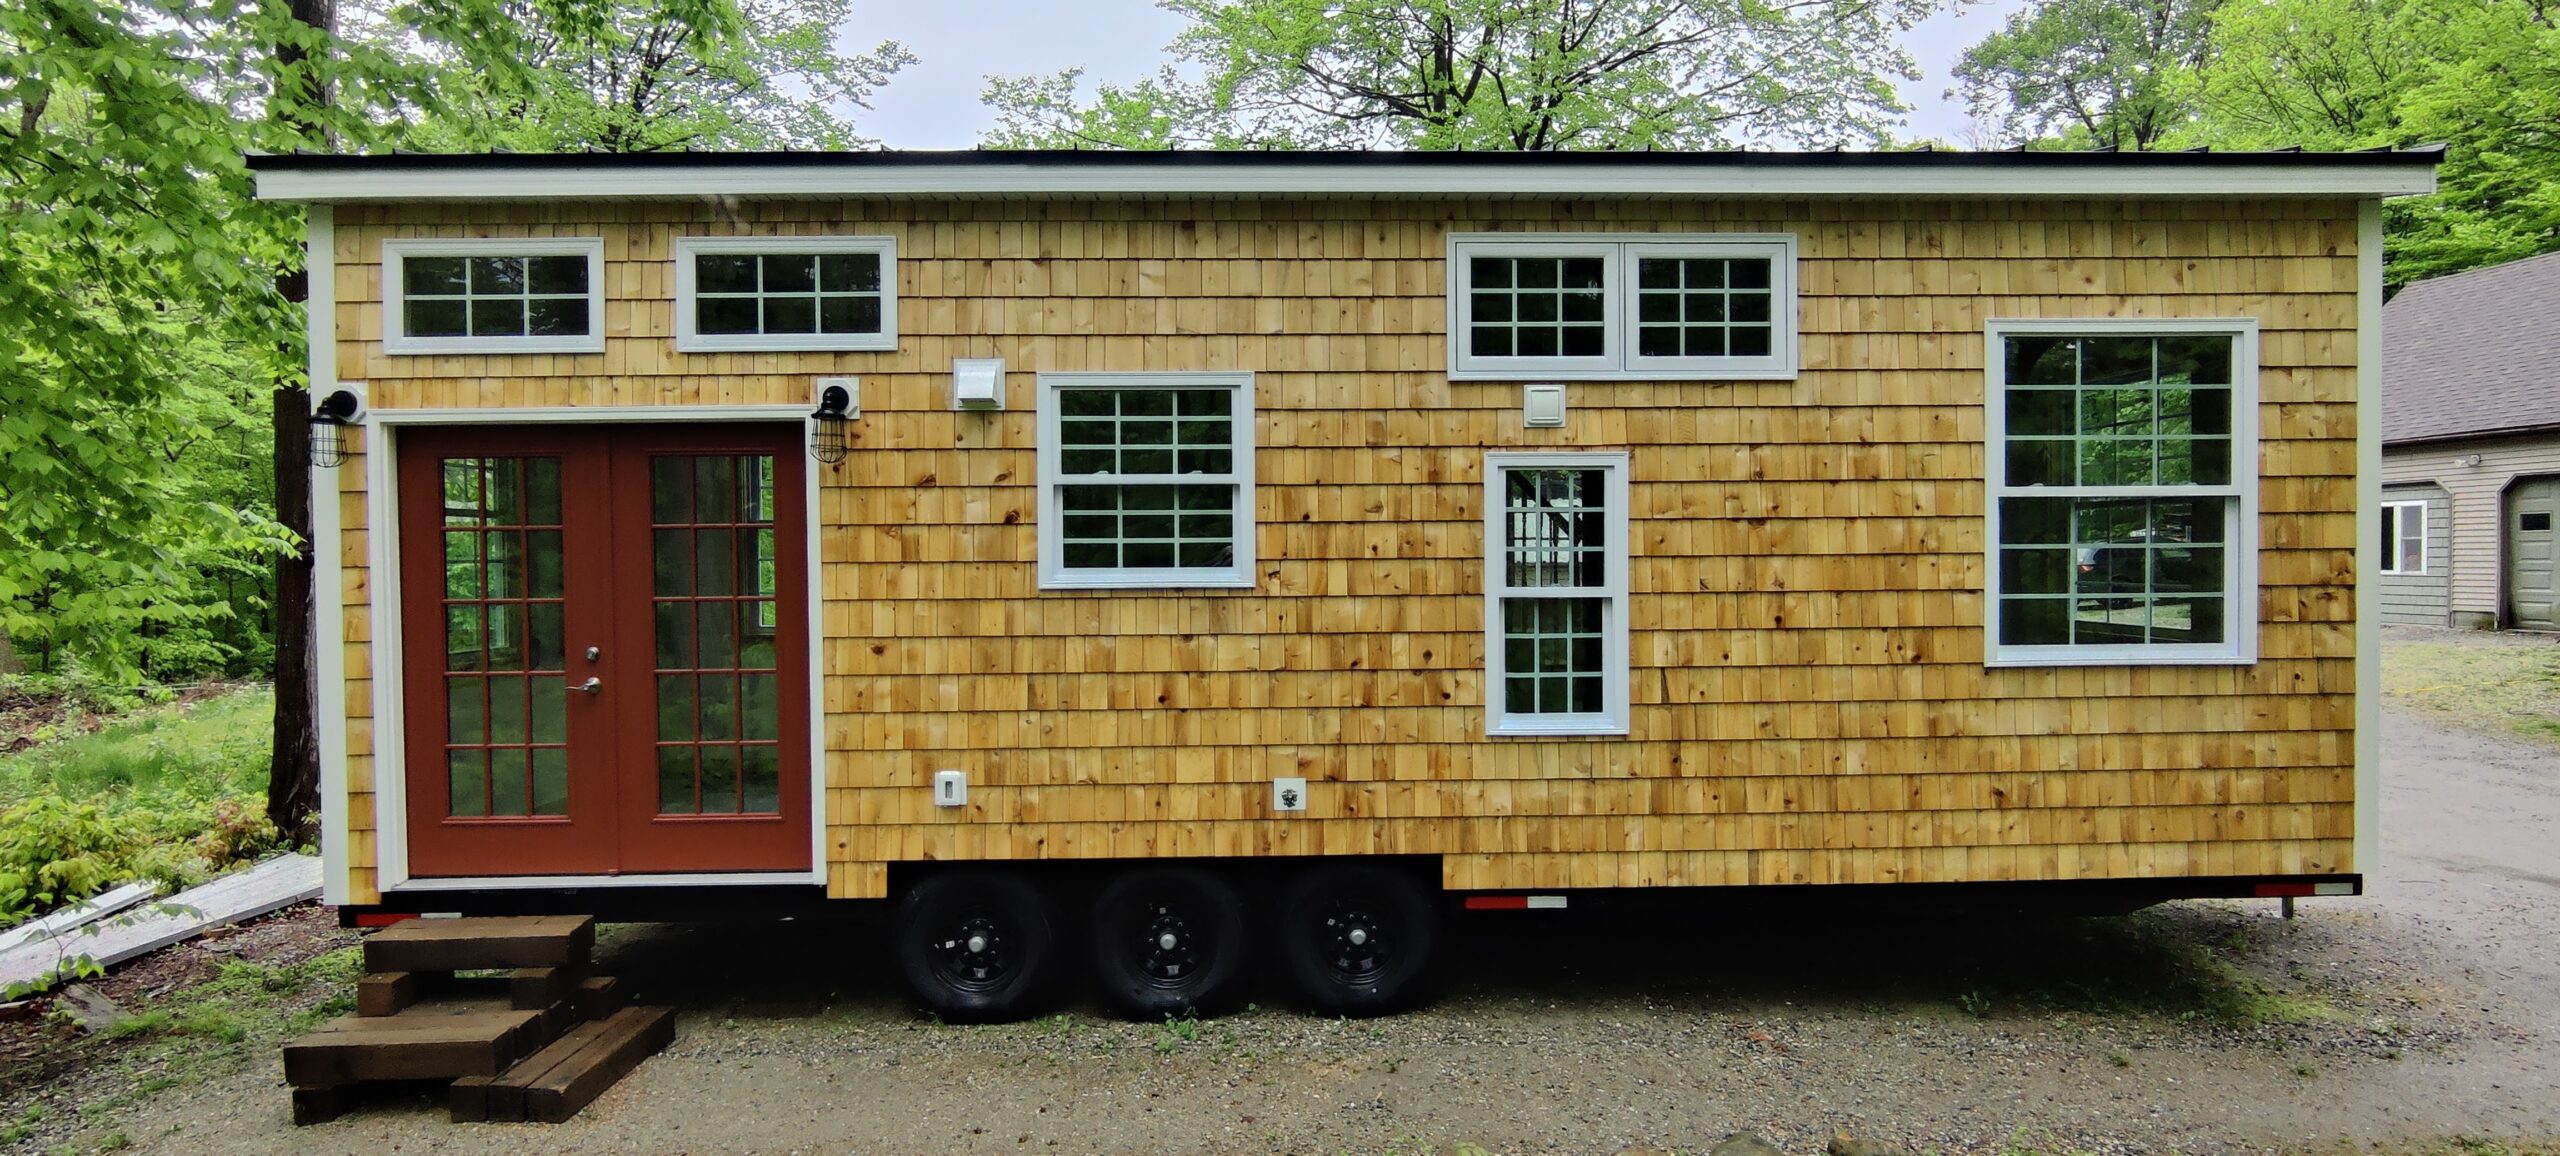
[293,778]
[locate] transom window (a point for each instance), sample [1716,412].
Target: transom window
[2404,537]
[2122,486]
[1618,306]
[786,293]
[1146,480]
[533,295]
[1555,593]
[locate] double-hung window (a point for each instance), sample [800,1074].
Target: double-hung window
[1146,480]
[493,295]
[2404,537]
[1556,593]
[1598,306]
[2123,471]
[786,293]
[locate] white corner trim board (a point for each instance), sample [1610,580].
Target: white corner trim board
[2151,178]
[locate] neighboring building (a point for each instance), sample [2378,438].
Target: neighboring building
[1342,530]
[2471,448]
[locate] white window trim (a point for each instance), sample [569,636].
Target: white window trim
[1619,362]
[2395,515]
[395,316]
[2240,530]
[1054,575]
[1614,716]
[689,340]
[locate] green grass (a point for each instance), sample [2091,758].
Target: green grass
[2502,683]
[172,792]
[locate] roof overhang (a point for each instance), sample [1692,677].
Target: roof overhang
[685,176]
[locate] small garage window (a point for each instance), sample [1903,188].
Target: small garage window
[786,293]
[2123,481]
[1146,480]
[2404,537]
[493,295]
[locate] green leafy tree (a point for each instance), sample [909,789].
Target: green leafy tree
[1489,74]
[646,75]
[2102,73]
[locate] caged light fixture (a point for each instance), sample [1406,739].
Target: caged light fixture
[832,425]
[330,421]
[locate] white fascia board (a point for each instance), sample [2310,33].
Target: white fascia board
[499,182]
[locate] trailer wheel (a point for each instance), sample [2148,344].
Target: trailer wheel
[1358,940]
[1169,940]
[976,946]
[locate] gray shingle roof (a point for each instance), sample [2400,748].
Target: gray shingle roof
[2474,352]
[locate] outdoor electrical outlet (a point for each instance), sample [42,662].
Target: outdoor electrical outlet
[950,788]
[1288,794]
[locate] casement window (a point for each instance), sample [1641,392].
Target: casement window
[2404,537]
[2123,483]
[493,295]
[1556,646]
[1599,306]
[1146,480]
[786,293]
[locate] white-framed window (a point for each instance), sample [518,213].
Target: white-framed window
[2122,523]
[493,295]
[2404,537]
[1146,480]
[1585,306]
[1556,648]
[786,293]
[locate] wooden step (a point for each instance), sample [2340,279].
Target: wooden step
[384,994]
[478,942]
[424,1042]
[554,1083]
[599,996]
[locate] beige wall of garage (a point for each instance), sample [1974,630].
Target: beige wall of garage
[2475,494]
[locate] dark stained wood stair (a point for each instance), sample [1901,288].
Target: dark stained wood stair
[538,1042]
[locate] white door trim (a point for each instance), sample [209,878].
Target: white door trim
[390,730]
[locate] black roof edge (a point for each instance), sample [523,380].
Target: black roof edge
[2480,435]
[1101,158]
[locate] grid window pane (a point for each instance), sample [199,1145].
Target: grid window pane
[494,296]
[788,293]
[1703,307]
[2113,571]
[2118,411]
[1554,528]
[717,633]
[1537,307]
[506,728]
[1554,650]
[1163,435]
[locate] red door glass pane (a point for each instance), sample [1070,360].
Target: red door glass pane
[506,710]
[712,588]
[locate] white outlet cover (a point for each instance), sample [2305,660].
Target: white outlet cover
[1288,794]
[950,788]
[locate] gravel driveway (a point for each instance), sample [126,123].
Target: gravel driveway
[2430,1008]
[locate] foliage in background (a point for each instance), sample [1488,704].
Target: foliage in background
[2482,76]
[169,793]
[1490,74]
[2105,73]
[643,76]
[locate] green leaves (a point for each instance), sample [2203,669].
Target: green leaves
[1490,74]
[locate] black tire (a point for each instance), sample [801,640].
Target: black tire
[977,946]
[1166,940]
[1358,940]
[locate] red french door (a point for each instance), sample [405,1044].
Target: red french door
[606,634]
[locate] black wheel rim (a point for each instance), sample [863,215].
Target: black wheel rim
[975,952]
[1169,948]
[1356,948]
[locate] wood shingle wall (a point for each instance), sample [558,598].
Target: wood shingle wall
[1810,702]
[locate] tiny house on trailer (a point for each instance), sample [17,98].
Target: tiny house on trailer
[1166,553]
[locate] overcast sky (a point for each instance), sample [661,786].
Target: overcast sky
[934,104]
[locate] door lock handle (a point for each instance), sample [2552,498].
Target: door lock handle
[591,686]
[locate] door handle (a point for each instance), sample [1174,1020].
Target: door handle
[591,686]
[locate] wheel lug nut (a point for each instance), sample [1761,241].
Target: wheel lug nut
[977,943]
[1359,936]
[1166,941]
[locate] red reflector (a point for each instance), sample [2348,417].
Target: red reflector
[381,918]
[2284,890]
[1497,903]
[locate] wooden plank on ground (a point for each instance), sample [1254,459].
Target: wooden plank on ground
[503,1098]
[276,883]
[632,1035]
[357,1049]
[599,996]
[481,942]
[385,993]
[73,917]
[534,988]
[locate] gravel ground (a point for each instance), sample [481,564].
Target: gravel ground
[2428,1009]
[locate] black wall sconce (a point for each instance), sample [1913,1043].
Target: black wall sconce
[833,432]
[329,423]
